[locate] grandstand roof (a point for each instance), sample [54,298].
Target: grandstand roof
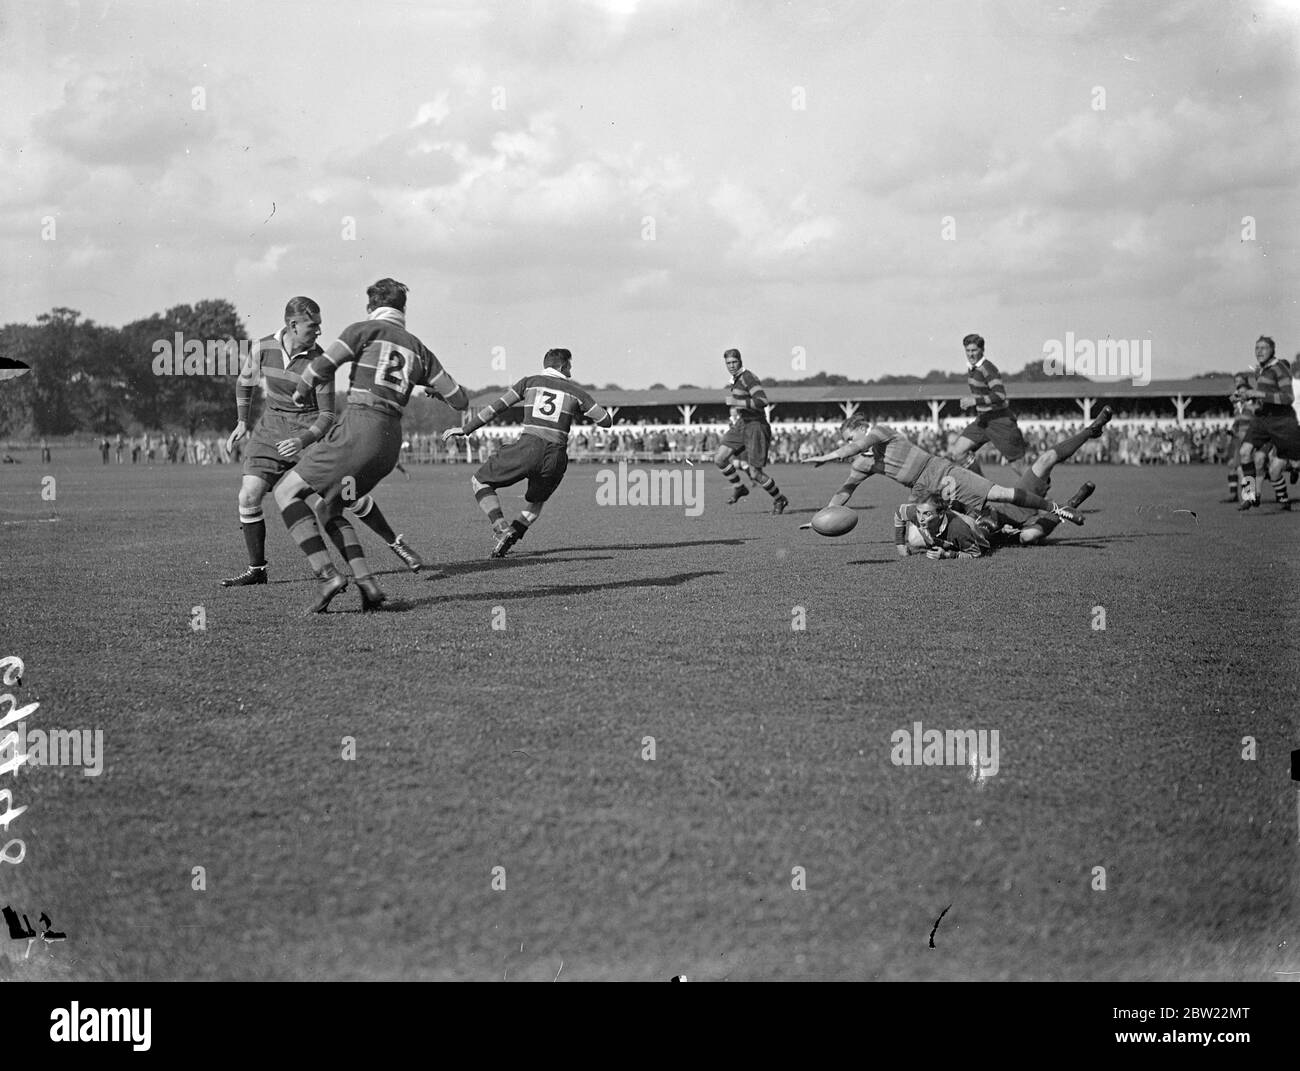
[1026,390]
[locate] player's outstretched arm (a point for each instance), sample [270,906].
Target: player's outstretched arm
[488,413]
[848,450]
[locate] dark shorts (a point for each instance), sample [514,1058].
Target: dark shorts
[539,460]
[751,438]
[1001,430]
[960,488]
[1277,429]
[363,445]
[261,459]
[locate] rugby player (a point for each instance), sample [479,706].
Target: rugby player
[994,420]
[750,434]
[1274,424]
[1243,411]
[551,402]
[284,431]
[361,449]
[888,452]
[928,527]
[1009,522]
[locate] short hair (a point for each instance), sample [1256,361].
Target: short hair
[732,353]
[933,499]
[387,293]
[301,306]
[1272,346]
[556,358]
[856,421]
[975,339]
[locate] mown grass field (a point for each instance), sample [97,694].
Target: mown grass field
[521,747]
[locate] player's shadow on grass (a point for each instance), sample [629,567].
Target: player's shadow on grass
[646,546]
[552,591]
[518,561]
[446,570]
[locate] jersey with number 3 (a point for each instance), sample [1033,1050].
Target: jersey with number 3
[551,403]
[387,362]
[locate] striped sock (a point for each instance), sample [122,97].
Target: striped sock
[489,504]
[367,509]
[1279,489]
[301,522]
[253,523]
[769,485]
[729,471]
[1232,484]
[343,534]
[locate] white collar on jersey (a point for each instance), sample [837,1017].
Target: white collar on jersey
[285,356]
[393,316]
[554,372]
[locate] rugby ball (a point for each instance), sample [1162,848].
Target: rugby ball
[834,521]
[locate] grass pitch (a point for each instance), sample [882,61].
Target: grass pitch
[521,747]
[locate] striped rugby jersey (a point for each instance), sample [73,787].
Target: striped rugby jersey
[1274,379]
[747,384]
[986,385]
[900,459]
[958,533]
[279,375]
[551,402]
[388,362]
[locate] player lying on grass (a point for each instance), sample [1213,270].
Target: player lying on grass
[928,527]
[551,402]
[1007,522]
[879,449]
[1273,424]
[361,449]
[285,430]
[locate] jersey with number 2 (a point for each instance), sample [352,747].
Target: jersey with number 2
[388,361]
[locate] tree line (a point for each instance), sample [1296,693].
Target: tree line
[87,377]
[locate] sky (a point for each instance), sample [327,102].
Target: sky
[844,187]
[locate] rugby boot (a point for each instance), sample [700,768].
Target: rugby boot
[254,574]
[331,584]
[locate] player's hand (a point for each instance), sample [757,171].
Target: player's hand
[967,401]
[300,397]
[289,448]
[453,433]
[934,554]
[238,435]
